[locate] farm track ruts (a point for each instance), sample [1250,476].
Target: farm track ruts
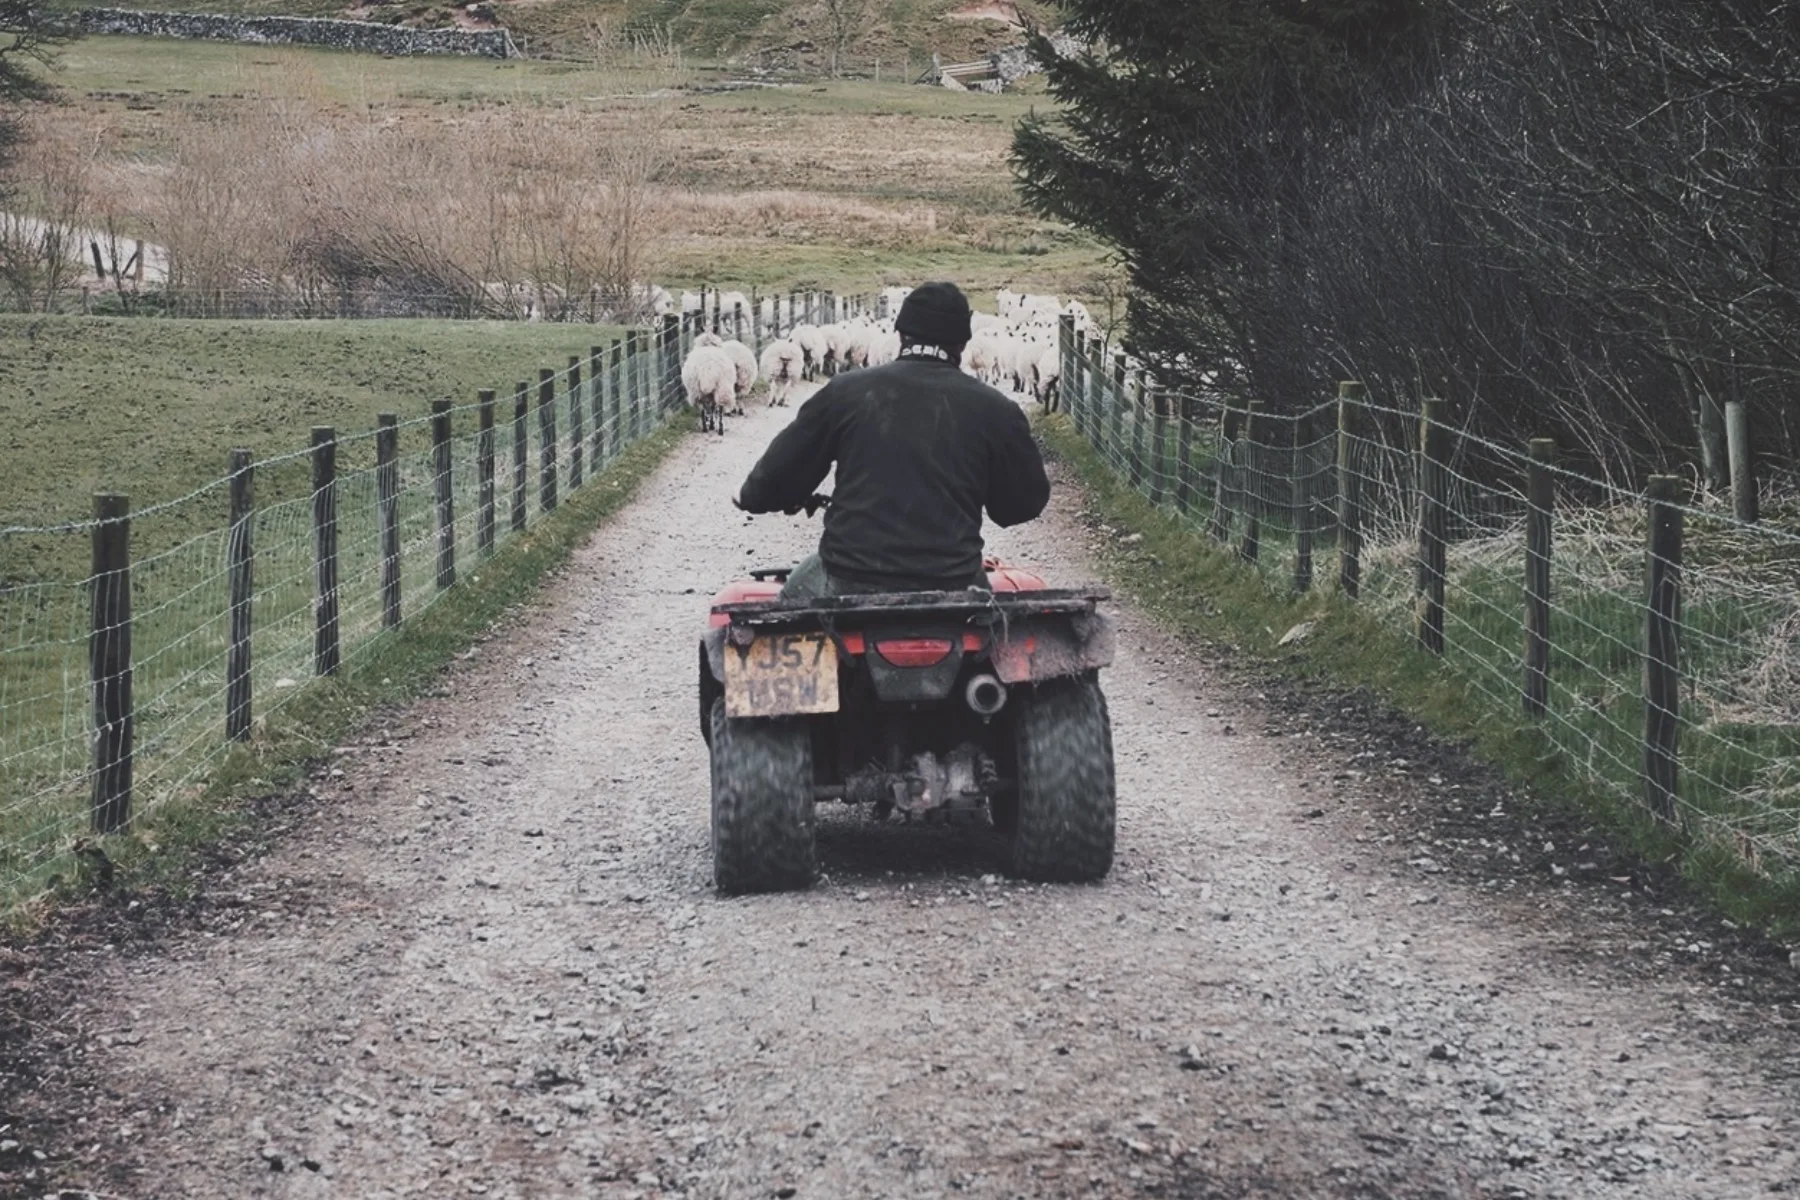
[488,960]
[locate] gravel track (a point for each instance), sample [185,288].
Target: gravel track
[489,961]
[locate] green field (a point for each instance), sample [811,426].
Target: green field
[150,407]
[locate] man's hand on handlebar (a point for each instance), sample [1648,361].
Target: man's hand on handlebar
[813,504]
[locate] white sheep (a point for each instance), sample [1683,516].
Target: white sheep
[783,363]
[709,377]
[744,360]
[838,339]
[1046,375]
[884,348]
[811,341]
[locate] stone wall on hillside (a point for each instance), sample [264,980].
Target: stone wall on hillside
[364,36]
[1016,62]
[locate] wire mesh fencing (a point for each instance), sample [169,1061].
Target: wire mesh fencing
[1651,636]
[139,647]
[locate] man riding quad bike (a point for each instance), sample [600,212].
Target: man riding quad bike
[897,667]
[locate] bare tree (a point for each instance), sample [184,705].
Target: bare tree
[846,18]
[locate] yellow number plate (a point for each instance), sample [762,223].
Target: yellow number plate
[782,675]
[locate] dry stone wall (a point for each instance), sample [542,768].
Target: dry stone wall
[364,36]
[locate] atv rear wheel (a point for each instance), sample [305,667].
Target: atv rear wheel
[1063,825]
[762,804]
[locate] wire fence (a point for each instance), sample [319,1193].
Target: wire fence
[127,675]
[126,678]
[1653,637]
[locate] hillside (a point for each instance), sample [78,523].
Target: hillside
[775,34]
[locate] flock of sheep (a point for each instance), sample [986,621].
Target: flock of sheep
[1014,349]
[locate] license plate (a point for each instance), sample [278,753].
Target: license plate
[782,675]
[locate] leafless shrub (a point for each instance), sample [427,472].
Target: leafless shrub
[41,239]
[526,209]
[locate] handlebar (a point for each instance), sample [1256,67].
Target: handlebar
[813,504]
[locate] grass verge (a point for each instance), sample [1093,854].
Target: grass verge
[168,849]
[1196,585]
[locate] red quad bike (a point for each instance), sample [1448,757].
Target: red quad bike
[945,706]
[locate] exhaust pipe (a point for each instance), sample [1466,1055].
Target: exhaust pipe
[985,695]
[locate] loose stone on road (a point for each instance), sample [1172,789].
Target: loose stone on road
[490,962]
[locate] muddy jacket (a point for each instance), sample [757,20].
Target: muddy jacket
[921,449]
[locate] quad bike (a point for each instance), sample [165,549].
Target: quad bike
[937,706]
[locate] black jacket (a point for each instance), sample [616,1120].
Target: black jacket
[921,449]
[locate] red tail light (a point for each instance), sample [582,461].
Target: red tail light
[915,652]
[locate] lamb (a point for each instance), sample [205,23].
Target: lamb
[731,306]
[981,357]
[709,377]
[783,363]
[1046,375]
[838,339]
[884,348]
[744,360]
[811,341]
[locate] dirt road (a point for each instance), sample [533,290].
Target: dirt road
[489,961]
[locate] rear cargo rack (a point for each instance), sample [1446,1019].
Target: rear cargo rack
[886,605]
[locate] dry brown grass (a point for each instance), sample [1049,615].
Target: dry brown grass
[317,173]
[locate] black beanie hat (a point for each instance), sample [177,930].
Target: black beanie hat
[936,314]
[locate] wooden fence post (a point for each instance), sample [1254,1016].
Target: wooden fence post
[109,663]
[1246,481]
[1743,462]
[1077,376]
[1159,445]
[1350,397]
[1184,456]
[615,398]
[640,387]
[1540,502]
[1111,395]
[240,554]
[577,415]
[387,513]
[325,546]
[1300,501]
[446,495]
[1135,451]
[547,439]
[646,381]
[1662,647]
[1434,499]
[737,320]
[670,360]
[1065,340]
[1229,430]
[484,471]
[597,407]
[521,451]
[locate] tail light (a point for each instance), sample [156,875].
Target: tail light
[915,652]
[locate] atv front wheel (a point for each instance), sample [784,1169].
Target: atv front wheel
[762,804]
[1064,821]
